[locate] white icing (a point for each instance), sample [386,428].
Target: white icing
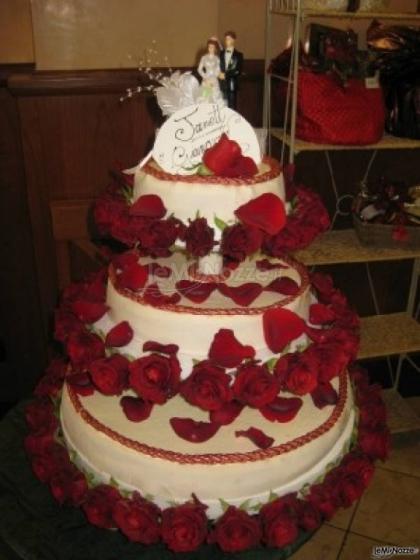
[194,332]
[168,481]
[184,200]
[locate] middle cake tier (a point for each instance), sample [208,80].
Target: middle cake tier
[179,306]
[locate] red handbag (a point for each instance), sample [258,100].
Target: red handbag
[331,113]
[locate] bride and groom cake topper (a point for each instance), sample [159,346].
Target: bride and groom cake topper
[220,69]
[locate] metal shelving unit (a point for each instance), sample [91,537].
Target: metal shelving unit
[381,335]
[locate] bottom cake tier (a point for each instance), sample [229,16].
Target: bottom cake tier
[225,470]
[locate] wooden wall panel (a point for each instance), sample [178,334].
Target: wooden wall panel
[23,352]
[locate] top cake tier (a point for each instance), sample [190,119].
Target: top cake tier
[211,197]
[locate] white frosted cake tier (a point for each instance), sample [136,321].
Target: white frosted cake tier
[185,196]
[150,458]
[192,326]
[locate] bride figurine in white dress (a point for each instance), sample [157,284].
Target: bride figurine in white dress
[209,70]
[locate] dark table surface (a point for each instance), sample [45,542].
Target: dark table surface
[34,527]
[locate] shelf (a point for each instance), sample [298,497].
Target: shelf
[343,246]
[347,15]
[388,142]
[385,335]
[402,418]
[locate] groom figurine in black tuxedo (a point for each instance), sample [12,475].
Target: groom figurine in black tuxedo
[230,69]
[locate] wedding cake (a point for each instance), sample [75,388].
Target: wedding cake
[206,394]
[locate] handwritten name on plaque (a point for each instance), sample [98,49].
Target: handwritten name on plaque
[188,133]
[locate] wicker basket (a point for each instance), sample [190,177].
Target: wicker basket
[381,235]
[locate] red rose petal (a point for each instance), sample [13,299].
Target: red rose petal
[258,437]
[265,212]
[242,295]
[133,277]
[281,326]
[196,291]
[125,260]
[265,264]
[222,155]
[242,167]
[227,414]
[317,334]
[282,409]
[156,269]
[195,432]
[88,311]
[136,409]
[227,351]
[320,314]
[284,285]
[148,206]
[324,394]
[152,346]
[81,384]
[120,335]
[154,296]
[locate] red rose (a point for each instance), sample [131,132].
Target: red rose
[109,375]
[184,527]
[83,348]
[65,323]
[239,241]
[81,383]
[199,238]
[243,167]
[324,498]
[320,314]
[236,531]
[227,351]
[375,443]
[106,210]
[69,485]
[46,465]
[280,531]
[255,386]
[51,383]
[41,440]
[159,236]
[324,286]
[287,504]
[89,311]
[38,413]
[99,505]
[138,519]
[155,377]
[372,415]
[120,335]
[207,386]
[362,465]
[302,377]
[221,155]
[331,357]
[350,488]
[308,516]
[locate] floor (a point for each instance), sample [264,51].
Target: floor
[387,514]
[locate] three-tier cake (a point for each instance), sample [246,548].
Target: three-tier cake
[205,395]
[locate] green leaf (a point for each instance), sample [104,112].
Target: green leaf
[114,483]
[195,361]
[149,497]
[224,504]
[202,169]
[272,496]
[173,503]
[245,506]
[220,224]
[271,363]
[305,489]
